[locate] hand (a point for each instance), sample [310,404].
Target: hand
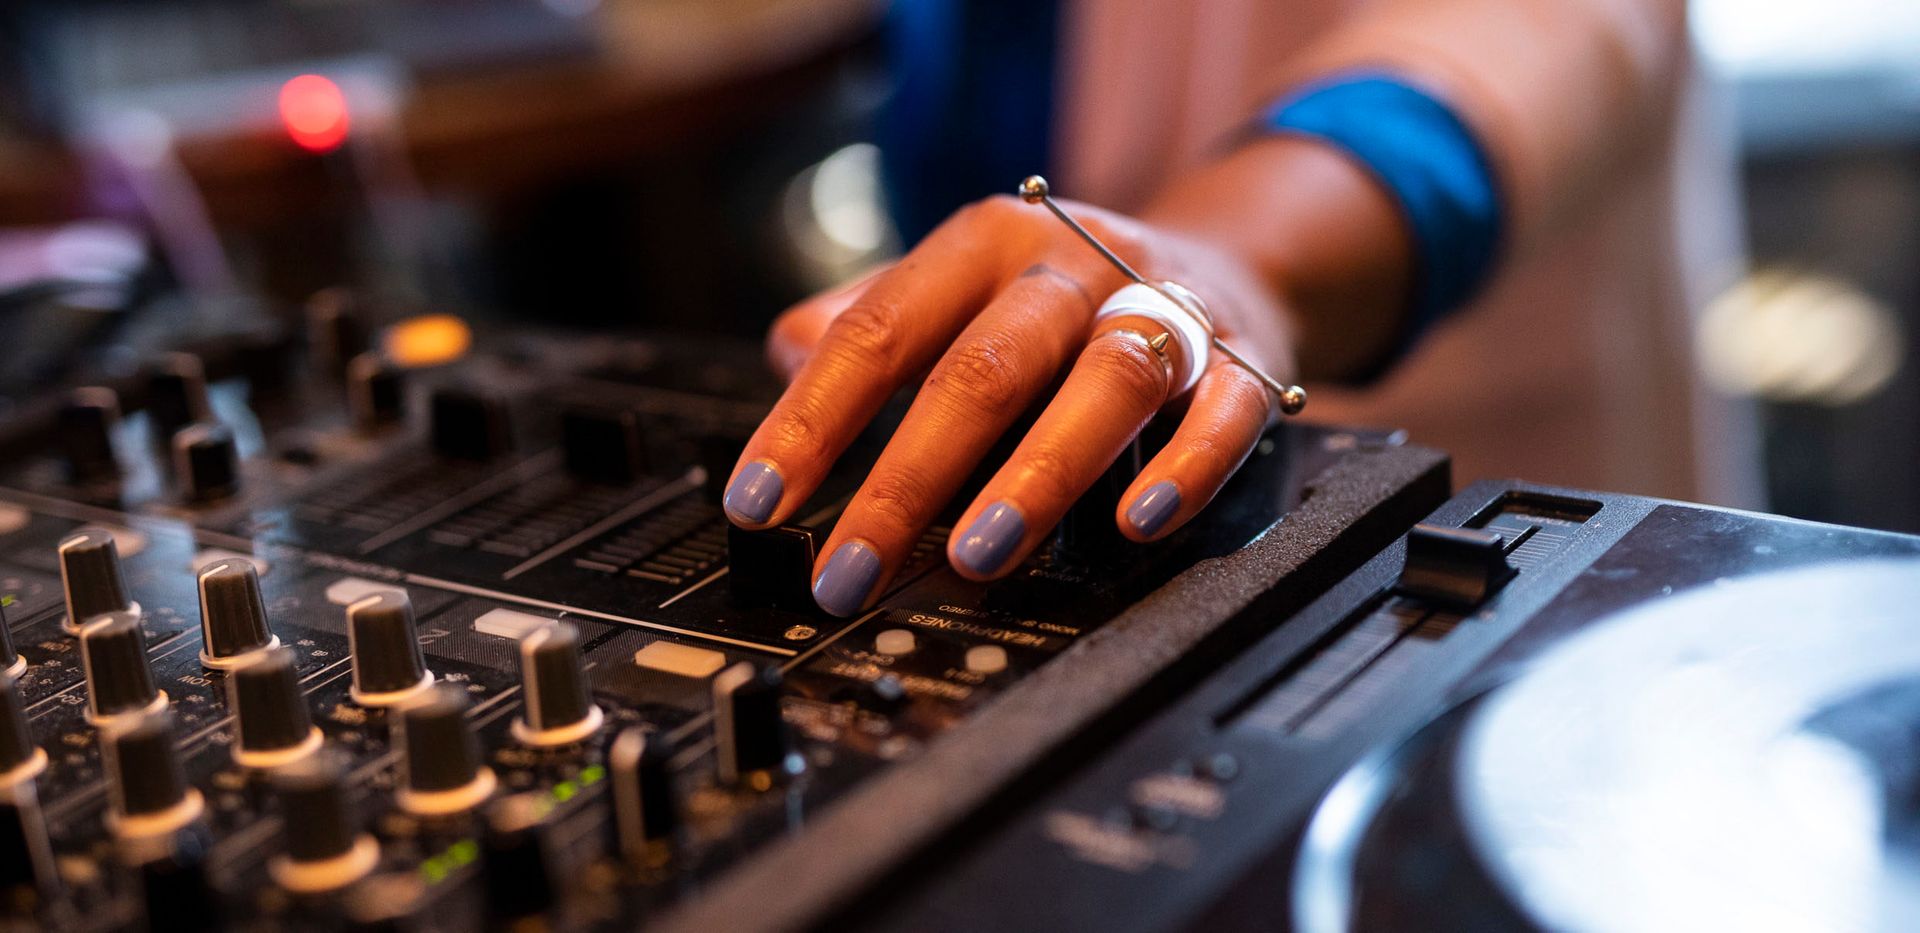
[993,304]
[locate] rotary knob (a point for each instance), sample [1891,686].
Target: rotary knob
[86,427]
[205,462]
[558,709]
[753,746]
[113,650]
[27,871]
[10,660]
[233,617]
[515,861]
[443,772]
[645,811]
[324,847]
[20,759]
[177,394]
[384,642]
[91,576]
[176,884]
[376,392]
[336,330]
[148,791]
[272,726]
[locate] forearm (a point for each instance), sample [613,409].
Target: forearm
[1555,91]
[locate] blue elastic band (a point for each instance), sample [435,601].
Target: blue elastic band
[1435,169]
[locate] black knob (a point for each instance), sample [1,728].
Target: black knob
[515,864]
[469,425]
[645,810]
[113,650]
[27,872]
[86,427]
[753,745]
[323,845]
[376,392]
[19,757]
[382,639]
[233,617]
[771,568]
[176,885]
[10,659]
[272,726]
[90,574]
[148,790]
[554,685]
[336,330]
[177,394]
[603,445]
[205,462]
[441,756]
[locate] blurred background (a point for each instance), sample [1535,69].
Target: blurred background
[189,168]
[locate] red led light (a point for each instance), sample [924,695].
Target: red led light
[314,113]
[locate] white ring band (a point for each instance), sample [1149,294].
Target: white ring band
[1146,301]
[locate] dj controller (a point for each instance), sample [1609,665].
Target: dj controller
[299,638]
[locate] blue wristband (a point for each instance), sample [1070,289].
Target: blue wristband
[1431,164]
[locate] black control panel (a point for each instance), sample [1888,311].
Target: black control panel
[303,638]
[1327,778]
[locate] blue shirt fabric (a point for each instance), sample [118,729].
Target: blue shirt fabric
[971,111]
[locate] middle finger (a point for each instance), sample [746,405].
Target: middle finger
[1000,363]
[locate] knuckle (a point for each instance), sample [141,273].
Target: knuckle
[799,431]
[897,500]
[1050,474]
[981,373]
[1133,371]
[870,333]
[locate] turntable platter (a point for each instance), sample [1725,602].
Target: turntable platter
[1697,762]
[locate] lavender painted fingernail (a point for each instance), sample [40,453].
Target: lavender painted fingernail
[843,585]
[752,495]
[990,540]
[1149,512]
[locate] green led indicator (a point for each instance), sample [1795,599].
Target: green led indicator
[592,774]
[464,851]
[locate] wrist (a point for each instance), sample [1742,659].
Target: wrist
[1321,234]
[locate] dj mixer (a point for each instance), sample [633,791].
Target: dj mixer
[300,638]
[306,639]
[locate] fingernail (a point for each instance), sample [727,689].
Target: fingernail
[990,540]
[849,576]
[1149,512]
[752,495]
